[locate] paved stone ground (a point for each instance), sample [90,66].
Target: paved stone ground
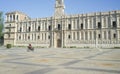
[59,61]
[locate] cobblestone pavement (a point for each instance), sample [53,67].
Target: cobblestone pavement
[59,61]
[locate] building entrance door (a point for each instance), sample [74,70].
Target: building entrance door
[58,43]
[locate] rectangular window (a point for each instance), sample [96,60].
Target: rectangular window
[69,26]
[14,17]
[109,35]
[82,26]
[99,25]
[114,24]
[99,36]
[114,36]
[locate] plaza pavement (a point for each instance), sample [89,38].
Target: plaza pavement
[59,61]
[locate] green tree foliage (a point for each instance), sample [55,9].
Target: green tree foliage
[1,24]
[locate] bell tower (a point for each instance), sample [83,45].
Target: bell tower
[59,8]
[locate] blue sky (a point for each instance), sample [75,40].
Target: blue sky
[45,8]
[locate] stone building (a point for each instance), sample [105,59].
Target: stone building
[99,29]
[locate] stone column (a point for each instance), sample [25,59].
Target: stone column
[51,33]
[9,17]
[12,17]
[6,18]
[117,36]
[118,22]
[63,34]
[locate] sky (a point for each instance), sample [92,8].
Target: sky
[45,8]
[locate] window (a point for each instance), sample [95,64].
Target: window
[25,18]
[28,37]
[69,27]
[8,35]
[17,17]
[9,25]
[82,36]
[49,37]
[20,29]
[109,34]
[13,17]
[69,36]
[114,36]
[38,28]
[82,26]
[114,24]
[86,35]
[42,36]
[94,34]
[45,36]
[10,17]
[49,28]
[99,36]
[90,35]
[99,25]
[19,37]
[9,30]
[29,29]
[38,37]
[77,35]
[59,27]
[73,35]
[104,34]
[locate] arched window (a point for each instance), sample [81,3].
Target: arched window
[69,27]
[59,27]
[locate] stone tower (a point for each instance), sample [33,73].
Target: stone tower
[59,8]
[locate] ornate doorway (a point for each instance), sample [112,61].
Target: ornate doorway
[59,43]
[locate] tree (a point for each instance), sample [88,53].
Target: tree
[1,24]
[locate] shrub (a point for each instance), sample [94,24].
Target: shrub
[117,47]
[8,46]
[72,46]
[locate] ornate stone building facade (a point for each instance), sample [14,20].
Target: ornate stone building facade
[99,29]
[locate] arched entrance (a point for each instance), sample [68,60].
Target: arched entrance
[59,43]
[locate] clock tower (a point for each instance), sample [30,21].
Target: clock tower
[59,8]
